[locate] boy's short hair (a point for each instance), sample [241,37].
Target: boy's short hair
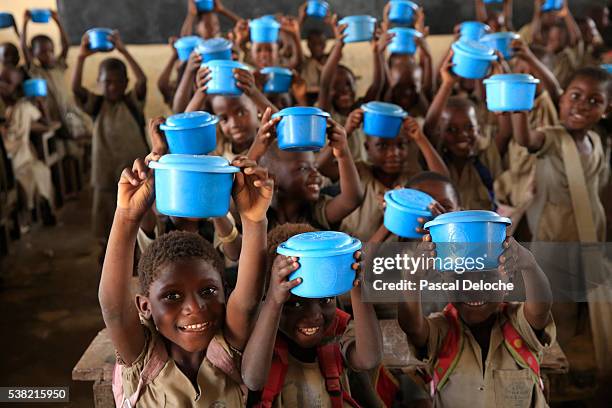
[172,247]
[426,176]
[459,102]
[113,65]
[281,233]
[315,32]
[39,39]
[597,74]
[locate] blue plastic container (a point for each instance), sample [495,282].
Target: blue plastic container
[493,1]
[511,92]
[473,30]
[191,132]
[477,235]
[279,79]
[214,49]
[193,186]
[550,5]
[501,42]
[607,67]
[402,11]
[404,208]
[99,39]
[222,80]
[35,87]
[205,5]
[317,9]
[264,30]
[381,119]
[40,15]
[301,129]
[359,28]
[404,41]
[472,59]
[325,259]
[185,45]
[6,20]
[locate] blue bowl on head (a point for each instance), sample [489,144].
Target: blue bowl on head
[404,207]
[264,30]
[214,49]
[6,20]
[326,263]
[493,1]
[511,92]
[99,39]
[40,15]
[317,8]
[501,42]
[473,30]
[301,129]
[551,5]
[607,67]
[205,5]
[222,80]
[35,87]
[279,79]
[472,59]
[185,45]
[463,235]
[193,186]
[402,11]
[359,28]
[191,133]
[404,41]
[382,119]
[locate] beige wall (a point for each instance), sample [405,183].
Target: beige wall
[152,58]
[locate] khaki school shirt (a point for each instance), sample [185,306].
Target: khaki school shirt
[17,141]
[504,383]
[368,217]
[117,139]
[565,64]
[474,195]
[311,73]
[171,388]
[552,213]
[58,96]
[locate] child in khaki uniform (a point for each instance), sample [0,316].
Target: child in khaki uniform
[190,325]
[118,135]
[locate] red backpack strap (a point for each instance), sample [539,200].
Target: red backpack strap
[331,365]
[521,353]
[276,377]
[451,349]
[386,386]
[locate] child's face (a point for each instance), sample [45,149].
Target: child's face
[405,92]
[557,39]
[476,307]
[297,175]
[387,154]
[44,52]
[304,321]
[10,80]
[208,26]
[343,89]
[264,54]
[286,48]
[237,118]
[440,191]
[548,18]
[9,55]
[316,45]
[187,303]
[583,104]
[589,31]
[460,130]
[113,83]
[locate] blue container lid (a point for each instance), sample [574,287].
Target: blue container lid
[357,19]
[43,11]
[515,78]
[405,30]
[301,111]
[197,163]
[468,216]
[268,21]
[226,64]
[607,67]
[384,108]
[213,45]
[409,199]
[319,244]
[188,42]
[475,23]
[504,35]
[189,120]
[407,2]
[100,30]
[276,70]
[474,49]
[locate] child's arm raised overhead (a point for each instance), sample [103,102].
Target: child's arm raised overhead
[27,51]
[245,80]
[252,194]
[432,158]
[481,11]
[325,158]
[221,9]
[575,35]
[533,140]
[163,82]
[265,135]
[184,91]
[508,15]
[432,119]
[199,95]
[536,22]
[425,59]
[192,14]
[549,81]
[140,87]
[351,191]
[80,93]
[379,45]
[329,69]
[136,195]
[292,26]
[257,357]
[63,35]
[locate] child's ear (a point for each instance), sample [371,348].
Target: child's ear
[144,306]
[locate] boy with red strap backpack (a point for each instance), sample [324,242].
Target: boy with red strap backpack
[485,353]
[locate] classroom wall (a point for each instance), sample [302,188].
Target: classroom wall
[152,58]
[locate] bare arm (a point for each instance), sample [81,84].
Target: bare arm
[184,91]
[379,77]
[221,9]
[549,81]
[163,82]
[223,228]
[80,93]
[141,79]
[192,14]
[575,35]
[327,74]
[533,140]
[27,51]
[432,119]
[504,133]
[508,15]
[367,351]
[536,22]
[63,35]
[481,11]
[432,158]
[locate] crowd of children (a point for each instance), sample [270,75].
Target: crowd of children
[214,322]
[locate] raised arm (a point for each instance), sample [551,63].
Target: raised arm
[325,158]
[190,18]
[25,48]
[221,9]
[80,93]
[481,11]
[141,79]
[184,91]
[536,22]
[508,15]
[63,35]
[292,26]
[331,65]
[163,82]
[432,119]
[549,81]
[533,140]
[379,77]
[575,35]
[431,156]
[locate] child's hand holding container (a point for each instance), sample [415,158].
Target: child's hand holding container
[99,39]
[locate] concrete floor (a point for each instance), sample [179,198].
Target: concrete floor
[49,304]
